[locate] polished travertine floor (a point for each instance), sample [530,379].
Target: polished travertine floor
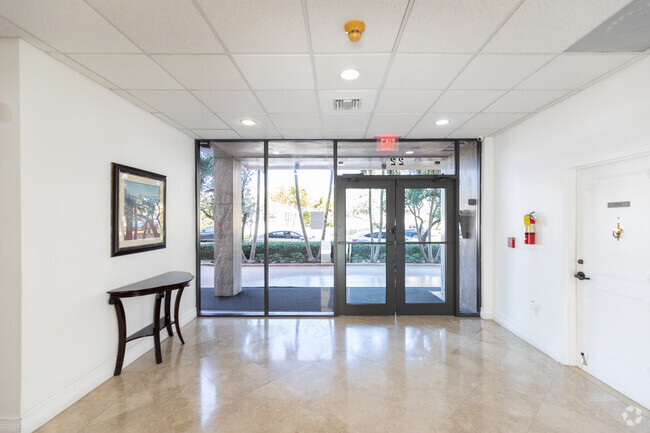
[347,374]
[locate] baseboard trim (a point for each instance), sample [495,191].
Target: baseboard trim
[40,414]
[525,335]
[9,425]
[487,314]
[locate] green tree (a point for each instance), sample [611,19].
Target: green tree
[424,207]
[251,257]
[206,171]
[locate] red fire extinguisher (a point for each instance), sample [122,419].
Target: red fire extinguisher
[529,234]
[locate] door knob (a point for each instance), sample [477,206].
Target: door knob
[581,276]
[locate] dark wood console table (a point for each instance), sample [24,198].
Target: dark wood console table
[161,286]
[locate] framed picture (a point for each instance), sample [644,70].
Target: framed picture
[138,210]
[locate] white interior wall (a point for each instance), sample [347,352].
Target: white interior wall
[533,169]
[71,131]
[9,235]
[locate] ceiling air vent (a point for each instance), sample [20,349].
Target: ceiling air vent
[347,104]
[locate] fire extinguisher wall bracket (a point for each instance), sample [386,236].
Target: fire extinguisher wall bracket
[529,233]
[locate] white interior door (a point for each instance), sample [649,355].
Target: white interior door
[614,304]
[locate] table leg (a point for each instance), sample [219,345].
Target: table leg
[176,318]
[121,334]
[156,326]
[168,314]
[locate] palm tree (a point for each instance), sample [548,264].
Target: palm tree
[310,255]
[251,257]
[327,208]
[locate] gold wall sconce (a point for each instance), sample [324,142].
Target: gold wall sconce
[618,231]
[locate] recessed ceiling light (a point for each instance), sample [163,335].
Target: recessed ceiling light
[410,152]
[350,74]
[275,152]
[248,122]
[442,122]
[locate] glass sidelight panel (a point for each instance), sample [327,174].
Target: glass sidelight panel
[232,228]
[469,194]
[365,253]
[301,227]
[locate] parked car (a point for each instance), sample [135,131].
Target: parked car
[207,234]
[283,236]
[409,235]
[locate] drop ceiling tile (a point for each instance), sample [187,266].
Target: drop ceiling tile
[190,134]
[525,101]
[327,20]
[551,26]
[430,133]
[573,71]
[229,101]
[455,120]
[289,101]
[160,26]
[493,71]
[10,30]
[70,26]
[398,121]
[168,121]
[83,70]
[284,72]
[492,120]
[302,133]
[234,121]
[465,101]
[197,120]
[135,101]
[333,121]
[424,71]
[203,71]
[371,67]
[129,71]
[258,27]
[452,26]
[344,134]
[296,121]
[406,101]
[170,101]
[261,134]
[472,133]
[220,134]
[386,132]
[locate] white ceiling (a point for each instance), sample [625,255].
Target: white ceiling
[204,65]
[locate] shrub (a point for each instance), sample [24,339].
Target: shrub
[294,252]
[279,252]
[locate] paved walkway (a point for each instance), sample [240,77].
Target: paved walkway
[323,276]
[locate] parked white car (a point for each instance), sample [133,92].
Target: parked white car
[284,236]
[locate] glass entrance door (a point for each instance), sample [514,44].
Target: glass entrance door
[395,250]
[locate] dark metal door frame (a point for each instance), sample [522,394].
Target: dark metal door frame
[447,308]
[395,250]
[344,183]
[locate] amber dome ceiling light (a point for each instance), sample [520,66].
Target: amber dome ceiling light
[354,29]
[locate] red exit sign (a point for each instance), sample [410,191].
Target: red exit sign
[387,144]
